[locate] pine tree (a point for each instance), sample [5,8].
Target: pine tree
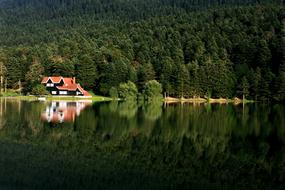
[166,76]
[86,72]
[281,80]
[182,81]
[34,75]
[3,71]
[281,75]
[243,87]
[263,54]
[145,74]
[195,88]
[14,72]
[256,83]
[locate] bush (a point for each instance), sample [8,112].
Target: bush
[128,91]
[39,90]
[152,90]
[113,92]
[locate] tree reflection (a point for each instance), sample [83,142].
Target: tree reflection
[2,109]
[128,109]
[152,109]
[178,144]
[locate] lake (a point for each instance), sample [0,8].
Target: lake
[130,145]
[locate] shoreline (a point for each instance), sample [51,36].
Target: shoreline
[58,98]
[170,100]
[167,100]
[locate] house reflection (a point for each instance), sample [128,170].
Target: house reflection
[63,111]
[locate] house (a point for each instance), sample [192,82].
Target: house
[63,86]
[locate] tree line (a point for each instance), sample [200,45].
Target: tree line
[215,50]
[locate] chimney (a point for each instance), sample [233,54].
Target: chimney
[74,81]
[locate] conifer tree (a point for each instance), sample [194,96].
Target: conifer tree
[34,75]
[86,72]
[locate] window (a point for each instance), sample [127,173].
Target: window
[53,92]
[50,85]
[63,92]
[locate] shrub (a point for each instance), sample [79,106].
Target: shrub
[128,91]
[152,90]
[113,92]
[39,90]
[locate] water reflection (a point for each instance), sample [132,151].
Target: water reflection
[142,145]
[63,111]
[152,110]
[2,109]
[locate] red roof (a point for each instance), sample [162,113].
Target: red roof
[72,87]
[69,81]
[45,79]
[85,93]
[53,79]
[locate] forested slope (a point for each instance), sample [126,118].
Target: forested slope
[193,48]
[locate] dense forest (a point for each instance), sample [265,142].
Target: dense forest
[206,48]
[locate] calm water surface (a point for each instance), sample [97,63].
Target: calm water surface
[128,145]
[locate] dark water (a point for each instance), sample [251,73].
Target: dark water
[69,145]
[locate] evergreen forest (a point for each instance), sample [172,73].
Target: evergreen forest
[193,48]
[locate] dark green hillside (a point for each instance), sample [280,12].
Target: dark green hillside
[193,48]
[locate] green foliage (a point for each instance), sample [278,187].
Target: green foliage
[281,84]
[34,75]
[39,90]
[256,82]
[113,92]
[128,91]
[245,86]
[86,72]
[105,43]
[182,80]
[10,93]
[152,90]
[62,67]
[145,73]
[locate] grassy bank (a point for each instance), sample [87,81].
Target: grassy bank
[74,98]
[56,98]
[10,93]
[15,94]
[96,98]
[20,97]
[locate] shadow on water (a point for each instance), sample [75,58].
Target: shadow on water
[130,145]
